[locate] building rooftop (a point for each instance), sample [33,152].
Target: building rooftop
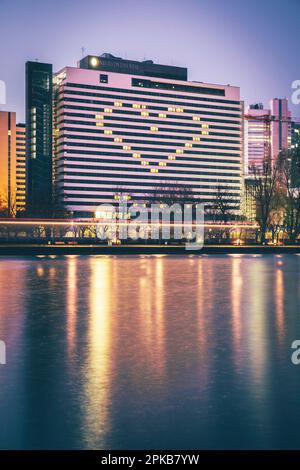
[109,63]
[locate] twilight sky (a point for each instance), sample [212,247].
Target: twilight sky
[254,44]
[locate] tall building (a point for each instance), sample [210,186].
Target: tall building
[295,134]
[12,163]
[39,137]
[257,135]
[139,128]
[21,167]
[268,131]
[280,126]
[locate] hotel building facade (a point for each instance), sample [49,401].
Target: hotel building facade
[138,128]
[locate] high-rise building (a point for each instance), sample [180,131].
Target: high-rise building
[12,163]
[268,132]
[39,137]
[257,135]
[295,134]
[140,128]
[280,126]
[21,166]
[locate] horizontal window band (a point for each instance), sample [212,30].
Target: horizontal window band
[107,123]
[152,149]
[145,155]
[133,161]
[66,95]
[62,183]
[148,93]
[65,132]
[142,197]
[62,104]
[142,173]
[194,172]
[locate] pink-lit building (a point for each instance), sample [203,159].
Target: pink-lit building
[139,128]
[257,135]
[267,132]
[280,126]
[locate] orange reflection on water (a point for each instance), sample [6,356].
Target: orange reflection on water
[204,287]
[279,304]
[257,325]
[152,313]
[98,358]
[236,315]
[204,296]
[71,293]
[11,305]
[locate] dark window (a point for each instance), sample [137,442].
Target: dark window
[171,86]
[103,78]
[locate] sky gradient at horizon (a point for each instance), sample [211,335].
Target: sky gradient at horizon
[254,46]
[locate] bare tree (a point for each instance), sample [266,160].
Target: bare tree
[263,188]
[224,205]
[289,174]
[169,192]
[8,204]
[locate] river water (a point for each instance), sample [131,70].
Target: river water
[149,352]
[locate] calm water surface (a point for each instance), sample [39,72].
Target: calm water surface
[149,352]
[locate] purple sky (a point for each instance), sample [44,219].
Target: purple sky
[254,44]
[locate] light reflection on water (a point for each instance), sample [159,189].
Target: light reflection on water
[149,352]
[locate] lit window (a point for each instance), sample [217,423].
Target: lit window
[154,129]
[154,170]
[135,105]
[136,155]
[179,151]
[162,115]
[197,139]
[144,163]
[172,110]
[205,126]
[99,116]
[162,164]
[144,106]
[187,144]
[107,131]
[126,147]
[205,132]
[118,104]
[99,124]
[196,118]
[179,110]
[107,110]
[118,139]
[171,157]
[144,113]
